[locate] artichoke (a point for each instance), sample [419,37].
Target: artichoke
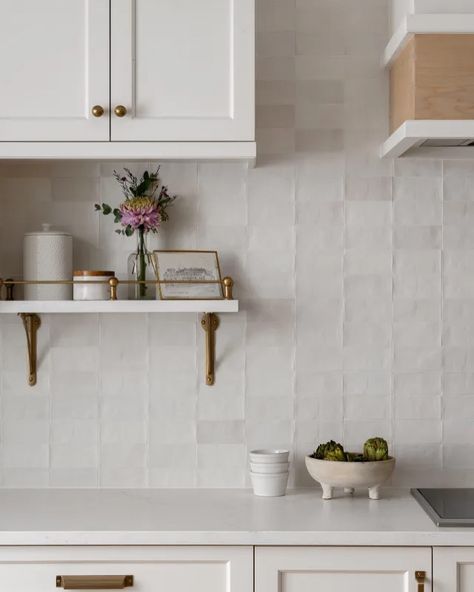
[375,449]
[330,451]
[320,452]
[354,457]
[335,452]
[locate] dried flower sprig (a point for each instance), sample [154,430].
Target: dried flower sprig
[143,209]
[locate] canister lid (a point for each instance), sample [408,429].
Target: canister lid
[46,231]
[83,273]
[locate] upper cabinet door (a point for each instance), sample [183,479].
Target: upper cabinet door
[183,70]
[54,64]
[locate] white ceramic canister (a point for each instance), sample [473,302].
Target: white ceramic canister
[47,255]
[86,291]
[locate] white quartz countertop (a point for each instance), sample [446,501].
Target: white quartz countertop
[216,517]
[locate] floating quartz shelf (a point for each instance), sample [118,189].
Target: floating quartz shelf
[118,306]
[29,311]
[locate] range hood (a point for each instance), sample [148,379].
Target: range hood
[446,143]
[431,84]
[430,133]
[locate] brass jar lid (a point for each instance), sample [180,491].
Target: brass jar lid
[94,273]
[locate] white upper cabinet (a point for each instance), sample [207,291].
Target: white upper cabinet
[183,69]
[54,64]
[127,79]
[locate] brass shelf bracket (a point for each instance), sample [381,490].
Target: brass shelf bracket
[31,323]
[210,323]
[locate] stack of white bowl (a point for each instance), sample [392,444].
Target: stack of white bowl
[269,472]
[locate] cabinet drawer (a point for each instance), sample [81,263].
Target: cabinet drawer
[154,569]
[454,569]
[331,569]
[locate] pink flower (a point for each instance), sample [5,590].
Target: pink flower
[140,212]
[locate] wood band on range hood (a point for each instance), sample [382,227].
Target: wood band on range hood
[433,78]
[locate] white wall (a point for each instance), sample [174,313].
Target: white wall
[355,276]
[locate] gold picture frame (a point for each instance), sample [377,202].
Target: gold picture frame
[188,275]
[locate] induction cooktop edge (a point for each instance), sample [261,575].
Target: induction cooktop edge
[447,507]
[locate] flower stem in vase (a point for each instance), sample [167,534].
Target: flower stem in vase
[142,256]
[142,211]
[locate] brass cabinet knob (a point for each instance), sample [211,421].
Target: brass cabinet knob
[120,111]
[97,111]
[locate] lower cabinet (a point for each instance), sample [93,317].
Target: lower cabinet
[140,569]
[453,569]
[337,569]
[231,569]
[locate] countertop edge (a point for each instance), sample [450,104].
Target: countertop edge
[443,538]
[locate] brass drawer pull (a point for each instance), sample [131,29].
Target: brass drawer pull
[94,582]
[420,578]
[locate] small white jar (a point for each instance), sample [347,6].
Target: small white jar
[85,291]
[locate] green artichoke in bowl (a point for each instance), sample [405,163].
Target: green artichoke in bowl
[330,451]
[375,449]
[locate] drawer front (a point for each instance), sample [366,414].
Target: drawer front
[341,569]
[154,569]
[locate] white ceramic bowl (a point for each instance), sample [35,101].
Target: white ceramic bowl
[349,475]
[269,456]
[269,468]
[269,485]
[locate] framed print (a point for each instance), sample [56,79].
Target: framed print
[191,270]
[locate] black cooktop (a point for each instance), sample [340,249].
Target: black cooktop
[447,507]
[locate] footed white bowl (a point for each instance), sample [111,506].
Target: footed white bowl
[349,475]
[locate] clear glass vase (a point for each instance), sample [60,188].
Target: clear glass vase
[141,267]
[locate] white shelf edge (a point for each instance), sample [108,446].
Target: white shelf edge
[246,151]
[119,306]
[411,133]
[425,24]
